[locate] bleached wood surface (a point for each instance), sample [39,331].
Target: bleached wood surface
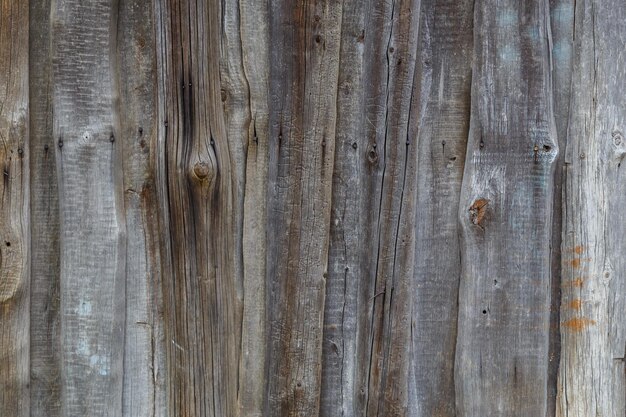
[301,208]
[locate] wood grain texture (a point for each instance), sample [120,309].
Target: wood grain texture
[562,28]
[91,206]
[341,369]
[254,29]
[14,211]
[312,208]
[195,175]
[144,352]
[505,214]
[304,64]
[592,378]
[45,369]
[391,154]
[446,52]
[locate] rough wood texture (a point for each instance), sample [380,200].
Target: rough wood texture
[446,51]
[562,27]
[392,155]
[339,344]
[284,208]
[505,214]
[304,64]
[45,370]
[91,206]
[254,29]
[14,211]
[592,377]
[144,352]
[202,312]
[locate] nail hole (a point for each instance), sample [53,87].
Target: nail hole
[8,243]
[484,311]
[547,148]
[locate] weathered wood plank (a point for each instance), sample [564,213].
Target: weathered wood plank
[144,352]
[392,153]
[562,28]
[45,369]
[254,28]
[591,379]
[196,175]
[446,52]
[505,214]
[14,211]
[91,206]
[304,61]
[339,362]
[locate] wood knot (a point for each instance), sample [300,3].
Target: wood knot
[201,170]
[477,210]
[372,155]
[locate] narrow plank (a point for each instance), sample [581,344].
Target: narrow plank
[14,211]
[370,140]
[591,378]
[254,29]
[195,188]
[391,152]
[144,351]
[505,213]
[45,369]
[562,28]
[304,61]
[91,207]
[446,47]
[339,343]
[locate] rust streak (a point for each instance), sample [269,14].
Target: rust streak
[578,324]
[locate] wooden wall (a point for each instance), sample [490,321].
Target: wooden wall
[245,208]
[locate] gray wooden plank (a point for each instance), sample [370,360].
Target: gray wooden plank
[45,369]
[254,27]
[562,28]
[591,379]
[505,213]
[304,60]
[14,211]
[144,352]
[339,344]
[392,152]
[446,48]
[91,207]
[195,187]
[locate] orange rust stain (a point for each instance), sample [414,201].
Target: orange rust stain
[576,283]
[575,304]
[577,261]
[579,249]
[578,324]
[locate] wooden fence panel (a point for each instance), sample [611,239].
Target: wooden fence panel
[302,208]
